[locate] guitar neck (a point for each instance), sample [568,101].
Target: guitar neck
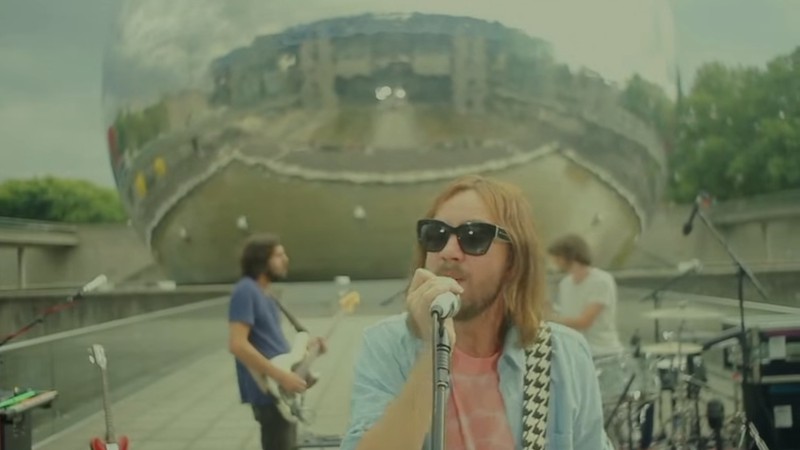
[314,351]
[110,434]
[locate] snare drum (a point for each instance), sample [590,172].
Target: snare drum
[670,359]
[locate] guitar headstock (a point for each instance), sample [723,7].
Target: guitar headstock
[349,301]
[97,356]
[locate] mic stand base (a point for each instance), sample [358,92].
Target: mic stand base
[441,381]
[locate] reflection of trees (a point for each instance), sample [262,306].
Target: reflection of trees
[134,129]
[649,102]
[739,131]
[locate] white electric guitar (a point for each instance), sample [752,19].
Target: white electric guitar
[299,361]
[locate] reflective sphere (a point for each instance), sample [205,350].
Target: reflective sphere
[335,122]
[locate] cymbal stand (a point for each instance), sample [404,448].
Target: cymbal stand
[756,437]
[693,388]
[742,272]
[738,423]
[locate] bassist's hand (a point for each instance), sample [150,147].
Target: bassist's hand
[292,383]
[320,343]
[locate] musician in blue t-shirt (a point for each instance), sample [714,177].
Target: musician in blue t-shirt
[255,336]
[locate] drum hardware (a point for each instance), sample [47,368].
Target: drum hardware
[692,268]
[670,348]
[756,437]
[620,400]
[715,414]
[627,389]
[682,313]
[742,272]
[613,413]
[636,343]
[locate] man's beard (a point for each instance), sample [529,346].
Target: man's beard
[274,276]
[476,308]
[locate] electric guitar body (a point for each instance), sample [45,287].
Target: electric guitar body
[299,360]
[99,444]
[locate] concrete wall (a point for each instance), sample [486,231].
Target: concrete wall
[18,308]
[760,240]
[765,238]
[115,250]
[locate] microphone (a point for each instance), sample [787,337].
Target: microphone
[687,227]
[94,284]
[446,305]
[636,343]
[98,281]
[703,197]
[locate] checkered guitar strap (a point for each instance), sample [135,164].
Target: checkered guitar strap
[536,392]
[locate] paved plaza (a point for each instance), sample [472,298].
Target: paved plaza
[197,407]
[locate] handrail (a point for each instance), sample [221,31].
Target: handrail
[217,301]
[36,225]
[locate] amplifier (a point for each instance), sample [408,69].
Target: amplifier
[15,432]
[774,409]
[774,342]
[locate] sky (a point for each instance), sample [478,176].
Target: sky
[51,53]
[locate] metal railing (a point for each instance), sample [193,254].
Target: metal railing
[139,350]
[36,225]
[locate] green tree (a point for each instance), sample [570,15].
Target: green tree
[60,200]
[739,131]
[649,102]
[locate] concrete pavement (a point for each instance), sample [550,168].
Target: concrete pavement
[198,407]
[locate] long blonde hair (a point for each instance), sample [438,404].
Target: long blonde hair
[525,288]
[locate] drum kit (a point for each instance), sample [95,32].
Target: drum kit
[652,395]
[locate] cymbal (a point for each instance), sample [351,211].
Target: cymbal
[685,313]
[671,348]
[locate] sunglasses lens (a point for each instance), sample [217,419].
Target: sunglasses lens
[433,236]
[476,238]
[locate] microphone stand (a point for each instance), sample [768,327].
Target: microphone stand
[656,299]
[441,380]
[68,303]
[741,272]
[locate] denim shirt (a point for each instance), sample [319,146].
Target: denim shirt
[575,420]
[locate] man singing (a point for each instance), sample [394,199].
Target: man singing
[255,336]
[477,241]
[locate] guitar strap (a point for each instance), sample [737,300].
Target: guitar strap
[276,294]
[536,391]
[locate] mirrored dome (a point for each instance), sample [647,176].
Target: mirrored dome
[333,124]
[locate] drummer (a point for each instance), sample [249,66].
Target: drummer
[587,301]
[587,296]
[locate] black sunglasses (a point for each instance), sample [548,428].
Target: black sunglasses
[474,238]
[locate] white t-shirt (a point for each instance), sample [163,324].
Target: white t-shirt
[598,287]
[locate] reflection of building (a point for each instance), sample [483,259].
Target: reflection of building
[184,108]
[431,63]
[373,114]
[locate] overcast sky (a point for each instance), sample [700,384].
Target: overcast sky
[51,52]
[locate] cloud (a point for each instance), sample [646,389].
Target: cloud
[51,52]
[46,136]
